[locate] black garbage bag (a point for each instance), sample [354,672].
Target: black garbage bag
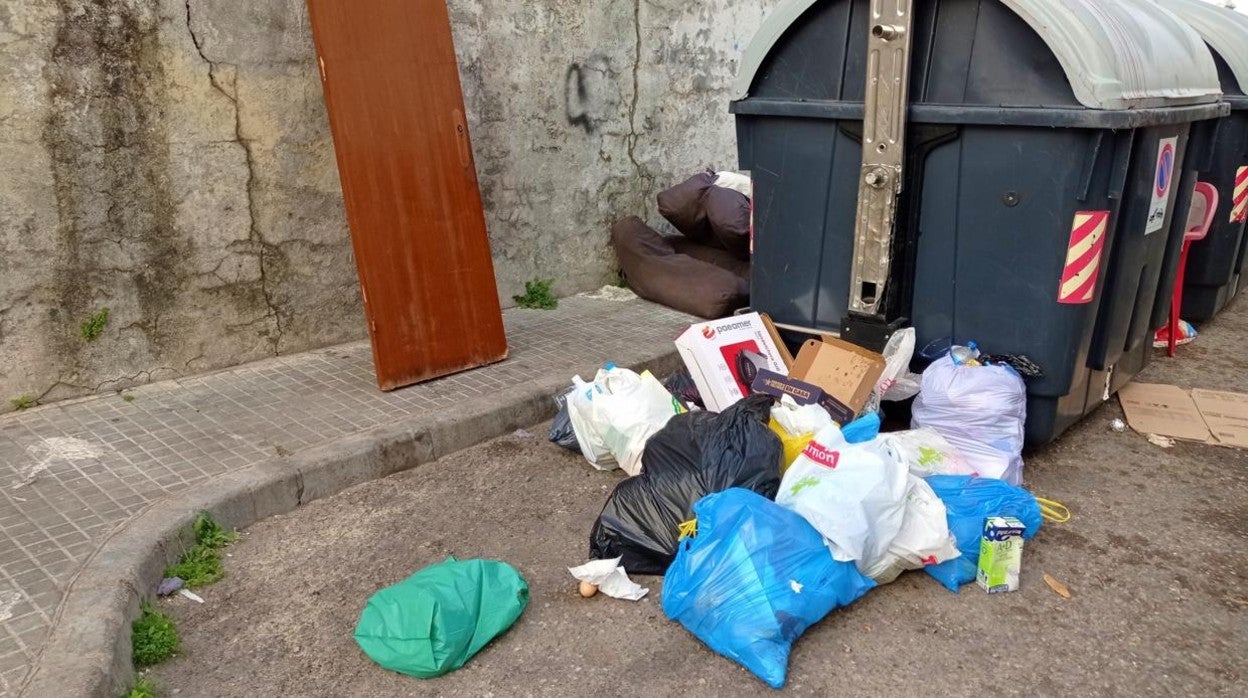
[682,386]
[561,432]
[697,453]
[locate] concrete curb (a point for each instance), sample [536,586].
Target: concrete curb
[87,652]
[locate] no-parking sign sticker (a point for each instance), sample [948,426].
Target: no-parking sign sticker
[1163,179]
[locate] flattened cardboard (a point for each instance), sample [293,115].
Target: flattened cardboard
[1226,414]
[845,371]
[1167,410]
[1209,416]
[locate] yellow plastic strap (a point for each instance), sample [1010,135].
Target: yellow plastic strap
[688,529]
[1053,512]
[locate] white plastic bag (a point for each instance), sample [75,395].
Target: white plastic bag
[924,538]
[925,452]
[614,416]
[896,382]
[868,507]
[581,414]
[800,420]
[610,578]
[981,410]
[851,493]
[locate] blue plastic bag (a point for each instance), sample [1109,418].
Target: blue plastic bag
[753,579]
[969,501]
[863,429]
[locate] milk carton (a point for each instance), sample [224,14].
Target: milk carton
[1000,554]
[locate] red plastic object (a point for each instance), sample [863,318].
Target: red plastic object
[1199,218]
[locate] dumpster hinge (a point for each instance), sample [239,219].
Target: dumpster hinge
[883,151]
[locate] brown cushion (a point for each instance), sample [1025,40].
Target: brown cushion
[683,206]
[656,272]
[728,214]
[715,255]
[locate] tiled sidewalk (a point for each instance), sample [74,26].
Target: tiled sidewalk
[72,472]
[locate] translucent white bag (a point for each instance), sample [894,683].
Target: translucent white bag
[981,411]
[614,416]
[868,507]
[798,419]
[924,538]
[925,452]
[850,493]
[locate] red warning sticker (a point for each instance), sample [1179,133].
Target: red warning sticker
[1239,202]
[1083,257]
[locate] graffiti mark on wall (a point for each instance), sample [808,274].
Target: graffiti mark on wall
[590,93]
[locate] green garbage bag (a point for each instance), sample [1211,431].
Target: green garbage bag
[434,621]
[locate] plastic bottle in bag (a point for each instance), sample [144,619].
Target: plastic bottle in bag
[965,356]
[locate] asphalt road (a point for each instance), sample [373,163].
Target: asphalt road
[1156,558]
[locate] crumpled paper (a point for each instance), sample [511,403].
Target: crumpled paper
[610,578]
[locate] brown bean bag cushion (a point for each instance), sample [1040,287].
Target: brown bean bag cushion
[728,214]
[657,272]
[684,208]
[715,255]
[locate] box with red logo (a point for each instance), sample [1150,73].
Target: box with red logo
[724,356]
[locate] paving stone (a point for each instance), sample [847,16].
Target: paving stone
[72,472]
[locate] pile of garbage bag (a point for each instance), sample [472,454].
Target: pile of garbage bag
[769,514]
[695,454]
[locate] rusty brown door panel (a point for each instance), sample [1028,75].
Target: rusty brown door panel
[397,114]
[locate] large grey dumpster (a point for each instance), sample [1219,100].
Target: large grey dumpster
[1044,140]
[1216,263]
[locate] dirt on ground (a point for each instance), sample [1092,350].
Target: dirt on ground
[1156,560]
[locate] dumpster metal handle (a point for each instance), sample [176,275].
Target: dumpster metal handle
[883,150]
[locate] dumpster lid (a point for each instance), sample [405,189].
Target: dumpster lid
[1223,29]
[1117,54]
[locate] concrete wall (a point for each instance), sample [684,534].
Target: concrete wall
[170,160]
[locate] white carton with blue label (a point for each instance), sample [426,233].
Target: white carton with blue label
[1000,554]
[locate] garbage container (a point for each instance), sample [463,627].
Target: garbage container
[1044,137]
[1215,264]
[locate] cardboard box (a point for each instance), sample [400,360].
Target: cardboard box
[1000,554]
[803,393]
[1208,416]
[724,356]
[846,372]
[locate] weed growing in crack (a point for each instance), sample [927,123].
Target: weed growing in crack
[154,637]
[198,567]
[537,295]
[23,402]
[201,565]
[127,397]
[144,687]
[210,533]
[94,326]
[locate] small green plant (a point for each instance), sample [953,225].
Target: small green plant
[620,280]
[128,397]
[201,564]
[198,567]
[154,638]
[144,687]
[23,402]
[537,295]
[95,324]
[210,533]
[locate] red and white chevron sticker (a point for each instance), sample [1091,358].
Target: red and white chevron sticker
[1083,257]
[1239,202]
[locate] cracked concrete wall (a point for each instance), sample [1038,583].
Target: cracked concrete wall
[170,160]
